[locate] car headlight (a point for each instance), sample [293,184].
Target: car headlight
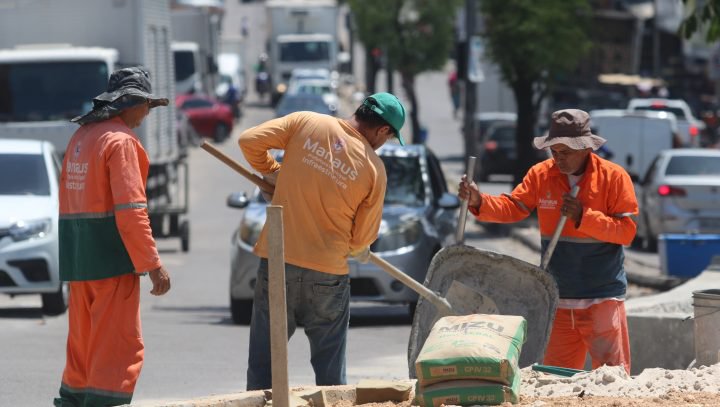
[398,236]
[250,232]
[31,229]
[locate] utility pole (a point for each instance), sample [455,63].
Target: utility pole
[469,86]
[389,71]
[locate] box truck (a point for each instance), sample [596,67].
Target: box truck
[301,34]
[56,55]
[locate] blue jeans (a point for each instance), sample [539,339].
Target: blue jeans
[318,301]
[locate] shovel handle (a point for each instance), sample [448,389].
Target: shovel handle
[441,304]
[460,233]
[254,178]
[556,236]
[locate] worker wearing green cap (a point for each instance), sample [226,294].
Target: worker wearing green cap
[331,185]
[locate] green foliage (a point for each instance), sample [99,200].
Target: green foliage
[532,40]
[705,17]
[417,34]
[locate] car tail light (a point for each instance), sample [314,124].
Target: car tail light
[668,190]
[657,105]
[694,131]
[491,145]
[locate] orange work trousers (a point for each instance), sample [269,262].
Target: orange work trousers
[104,348]
[600,329]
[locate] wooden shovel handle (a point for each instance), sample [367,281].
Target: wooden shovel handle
[254,178]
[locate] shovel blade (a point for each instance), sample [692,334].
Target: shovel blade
[465,300]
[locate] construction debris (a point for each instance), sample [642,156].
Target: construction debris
[378,391]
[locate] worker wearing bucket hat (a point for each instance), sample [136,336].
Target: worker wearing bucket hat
[106,243]
[588,260]
[331,184]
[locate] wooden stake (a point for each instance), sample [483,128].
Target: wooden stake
[278,308]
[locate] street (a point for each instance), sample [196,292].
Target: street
[192,347]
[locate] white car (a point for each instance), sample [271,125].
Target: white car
[29,222]
[679,194]
[321,87]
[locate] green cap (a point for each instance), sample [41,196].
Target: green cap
[388,106]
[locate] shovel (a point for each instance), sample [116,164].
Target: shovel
[465,300]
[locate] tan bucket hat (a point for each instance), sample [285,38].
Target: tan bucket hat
[572,128]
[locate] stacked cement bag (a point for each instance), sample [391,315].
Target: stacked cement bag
[470,360]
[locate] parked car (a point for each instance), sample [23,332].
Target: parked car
[209,117]
[29,222]
[689,128]
[297,102]
[498,151]
[679,194]
[419,218]
[483,121]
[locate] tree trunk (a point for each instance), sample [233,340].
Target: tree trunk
[408,84]
[525,130]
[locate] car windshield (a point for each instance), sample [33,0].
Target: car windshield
[49,90]
[307,51]
[196,103]
[404,181]
[290,104]
[29,175]
[662,108]
[693,165]
[184,64]
[308,89]
[504,136]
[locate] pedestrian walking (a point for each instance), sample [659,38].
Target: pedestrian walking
[588,260]
[106,244]
[454,86]
[331,184]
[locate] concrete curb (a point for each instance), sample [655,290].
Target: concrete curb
[320,396]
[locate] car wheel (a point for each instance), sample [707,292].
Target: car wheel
[221,133]
[56,303]
[649,240]
[241,311]
[185,236]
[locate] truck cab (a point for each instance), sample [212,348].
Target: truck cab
[188,70]
[49,85]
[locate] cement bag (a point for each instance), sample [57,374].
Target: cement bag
[467,393]
[478,346]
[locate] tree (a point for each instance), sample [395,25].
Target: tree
[532,43]
[705,17]
[417,36]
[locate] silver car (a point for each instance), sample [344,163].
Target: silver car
[419,218]
[679,194]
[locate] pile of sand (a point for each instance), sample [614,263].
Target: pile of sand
[614,381]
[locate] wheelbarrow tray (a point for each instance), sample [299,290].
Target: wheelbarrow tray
[516,286]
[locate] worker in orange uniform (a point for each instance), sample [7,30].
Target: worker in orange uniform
[106,244]
[588,259]
[331,185]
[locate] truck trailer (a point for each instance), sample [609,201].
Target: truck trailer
[56,55]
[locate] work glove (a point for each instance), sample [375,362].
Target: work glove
[270,178]
[361,255]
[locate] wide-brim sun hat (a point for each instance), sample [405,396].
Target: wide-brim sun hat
[388,106]
[570,127]
[127,87]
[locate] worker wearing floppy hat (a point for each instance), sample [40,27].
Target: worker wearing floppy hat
[331,184]
[588,260]
[106,243]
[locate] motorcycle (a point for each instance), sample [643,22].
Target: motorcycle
[262,84]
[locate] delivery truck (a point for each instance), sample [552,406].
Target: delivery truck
[301,34]
[56,55]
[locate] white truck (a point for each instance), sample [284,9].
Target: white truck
[188,67]
[634,139]
[198,25]
[55,56]
[301,34]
